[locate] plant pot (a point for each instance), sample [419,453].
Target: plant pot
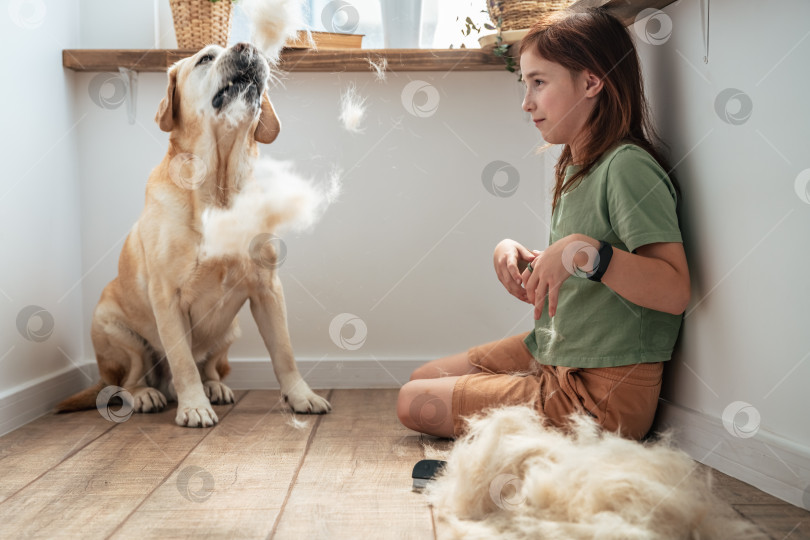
[198,23]
[520,14]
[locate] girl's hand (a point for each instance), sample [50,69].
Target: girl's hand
[566,257]
[510,259]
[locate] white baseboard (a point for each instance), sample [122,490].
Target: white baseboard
[257,373]
[28,402]
[766,461]
[25,403]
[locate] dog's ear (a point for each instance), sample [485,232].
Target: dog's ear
[165,114]
[268,127]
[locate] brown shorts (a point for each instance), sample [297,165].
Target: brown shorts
[621,399]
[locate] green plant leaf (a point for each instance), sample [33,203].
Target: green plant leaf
[469,27]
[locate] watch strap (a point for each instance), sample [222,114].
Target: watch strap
[605,254]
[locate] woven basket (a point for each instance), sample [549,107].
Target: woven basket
[198,23]
[520,14]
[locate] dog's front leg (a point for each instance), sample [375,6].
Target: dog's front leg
[270,313]
[193,407]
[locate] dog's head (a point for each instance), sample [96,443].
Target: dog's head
[220,87]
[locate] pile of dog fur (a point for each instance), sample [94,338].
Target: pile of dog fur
[511,477]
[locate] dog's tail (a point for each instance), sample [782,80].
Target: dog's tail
[86,399]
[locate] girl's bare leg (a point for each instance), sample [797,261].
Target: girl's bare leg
[425,403]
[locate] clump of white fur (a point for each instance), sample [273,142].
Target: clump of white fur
[511,477]
[352,110]
[273,23]
[296,423]
[277,196]
[379,67]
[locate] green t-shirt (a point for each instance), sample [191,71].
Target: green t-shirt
[627,200]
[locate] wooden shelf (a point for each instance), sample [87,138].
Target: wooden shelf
[295,59]
[336,60]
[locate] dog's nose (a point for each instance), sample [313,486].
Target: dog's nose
[245,54]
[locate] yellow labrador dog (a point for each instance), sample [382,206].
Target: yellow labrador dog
[169,305]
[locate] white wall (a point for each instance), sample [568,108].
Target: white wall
[39,198]
[744,347]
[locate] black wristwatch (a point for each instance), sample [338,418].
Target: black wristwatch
[605,254]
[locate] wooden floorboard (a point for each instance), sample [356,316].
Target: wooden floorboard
[735,491]
[355,481]
[234,483]
[262,472]
[780,521]
[32,450]
[91,492]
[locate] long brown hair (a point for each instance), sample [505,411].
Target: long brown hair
[593,39]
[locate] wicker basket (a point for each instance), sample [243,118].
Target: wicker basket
[520,14]
[198,23]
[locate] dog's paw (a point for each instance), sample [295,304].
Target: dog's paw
[196,415]
[148,400]
[218,393]
[304,400]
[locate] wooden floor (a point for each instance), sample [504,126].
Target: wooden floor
[260,473]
